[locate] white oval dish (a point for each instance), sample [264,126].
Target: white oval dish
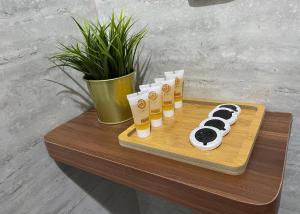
[231,120]
[227,105]
[210,145]
[223,131]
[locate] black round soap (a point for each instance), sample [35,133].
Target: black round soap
[219,124]
[223,113]
[232,107]
[205,135]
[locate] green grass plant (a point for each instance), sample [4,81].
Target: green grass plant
[107,51]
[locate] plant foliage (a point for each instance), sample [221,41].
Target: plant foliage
[108,50]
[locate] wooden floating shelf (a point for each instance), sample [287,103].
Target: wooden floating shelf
[172,139]
[93,147]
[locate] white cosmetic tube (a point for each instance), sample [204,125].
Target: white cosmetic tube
[139,104]
[178,75]
[145,87]
[159,80]
[155,102]
[168,87]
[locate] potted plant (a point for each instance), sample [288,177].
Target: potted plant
[106,58]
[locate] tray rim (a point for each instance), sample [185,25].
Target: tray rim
[232,168]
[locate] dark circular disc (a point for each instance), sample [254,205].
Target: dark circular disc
[205,135]
[232,107]
[219,124]
[223,113]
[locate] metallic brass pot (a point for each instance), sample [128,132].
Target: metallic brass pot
[110,99]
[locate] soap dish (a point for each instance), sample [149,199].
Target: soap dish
[227,114]
[222,125]
[232,107]
[206,138]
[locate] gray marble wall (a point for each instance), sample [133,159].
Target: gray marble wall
[30,181]
[230,49]
[236,50]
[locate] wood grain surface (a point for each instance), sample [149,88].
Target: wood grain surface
[93,147]
[171,140]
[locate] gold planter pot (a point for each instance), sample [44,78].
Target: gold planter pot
[110,99]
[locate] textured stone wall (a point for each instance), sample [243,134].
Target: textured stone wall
[232,50]
[30,181]
[235,50]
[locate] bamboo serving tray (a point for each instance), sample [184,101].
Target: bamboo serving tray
[172,139]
